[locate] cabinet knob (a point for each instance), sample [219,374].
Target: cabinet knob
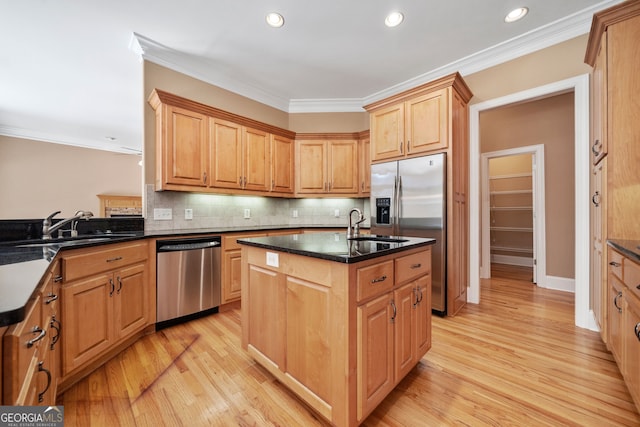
[615,264]
[594,150]
[596,199]
[636,329]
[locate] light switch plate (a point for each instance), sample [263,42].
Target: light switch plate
[188,214]
[162,214]
[247,213]
[272,259]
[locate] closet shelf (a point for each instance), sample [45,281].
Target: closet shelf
[497,193]
[511,208]
[520,229]
[512,249]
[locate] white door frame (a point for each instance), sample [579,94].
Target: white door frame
[539,224]
[580,86]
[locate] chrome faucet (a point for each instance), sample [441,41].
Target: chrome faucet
[354,229]
[48,229]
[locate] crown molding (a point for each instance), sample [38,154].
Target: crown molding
[152,51]
[51,137]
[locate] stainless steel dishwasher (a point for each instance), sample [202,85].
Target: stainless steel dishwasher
[188,279]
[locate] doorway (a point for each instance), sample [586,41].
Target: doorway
[580,87]
[513,211]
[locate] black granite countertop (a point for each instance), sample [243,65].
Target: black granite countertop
[25,261]
[629,248]
[336,246]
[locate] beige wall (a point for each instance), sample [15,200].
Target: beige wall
[547,121]
[38,178]
[329,122]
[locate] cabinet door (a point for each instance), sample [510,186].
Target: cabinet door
[226,154]
[598,261]
[387,132]
[282,160]
[375,353]
[311,164]
[232,267]
[185,148]
[631,338]
[131,311]
[308,321]
[599,103]
[257,160]
[427,122]
[267,313]
[365,167]
[87,313]
[405,334]
[343,167]
[615,319]
[423,316]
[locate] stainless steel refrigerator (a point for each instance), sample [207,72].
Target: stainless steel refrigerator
[408,198]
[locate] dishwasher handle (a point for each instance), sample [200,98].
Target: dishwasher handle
[175,246]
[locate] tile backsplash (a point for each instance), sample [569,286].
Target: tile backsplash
[213,211]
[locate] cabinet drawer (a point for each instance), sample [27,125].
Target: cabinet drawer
[413,266]
[632,276]
[374,279]
[230,242]
[105,258]
[21,343]
[615,263]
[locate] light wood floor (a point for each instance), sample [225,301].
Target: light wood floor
[514,360]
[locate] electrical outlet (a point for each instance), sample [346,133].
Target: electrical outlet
[272,259]
[336,213]
[162,214]
[188,214]
[294,213]
[247,213]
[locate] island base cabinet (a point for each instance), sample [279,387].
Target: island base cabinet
[339,335]
[631,338]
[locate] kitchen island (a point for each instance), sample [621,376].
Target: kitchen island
[340,322]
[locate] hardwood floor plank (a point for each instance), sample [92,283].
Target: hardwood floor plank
[516,359]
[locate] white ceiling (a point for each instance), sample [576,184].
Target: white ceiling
[71,70]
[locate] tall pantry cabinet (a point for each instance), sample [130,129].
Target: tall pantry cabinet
[613,51]
[429,119]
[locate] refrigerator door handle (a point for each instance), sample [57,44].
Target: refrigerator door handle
[398,205]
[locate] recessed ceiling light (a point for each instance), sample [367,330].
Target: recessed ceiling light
[394,19]
[516,14]
[275,20]
[110,138]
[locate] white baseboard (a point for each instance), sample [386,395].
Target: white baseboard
[592,324]
[512,260]
[559,284]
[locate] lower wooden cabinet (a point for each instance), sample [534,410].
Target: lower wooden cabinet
[231,265]
[105,305]
[631,343]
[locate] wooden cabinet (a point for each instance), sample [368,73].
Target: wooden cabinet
[411,127]
[282,165]
[433,118]
[204,149]
[240,156]
[340,336]
[599,103]
[105,300]
[184,147]
[30,349]
[365,165]
[231,263]
[327,167]
[623,318]
[598,211]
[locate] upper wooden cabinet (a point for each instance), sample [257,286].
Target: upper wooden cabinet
[410,127]
[328,164]
[204,149]
[365,164]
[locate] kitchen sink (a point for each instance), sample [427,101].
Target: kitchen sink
[57,243]
[378,239]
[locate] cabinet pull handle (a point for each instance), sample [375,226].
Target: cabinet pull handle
[117,258]
[57,279]
[615,302]
[55,324]
[638,287]
[408,146]
[329,186]
[204,177]
[51,298]
[379,279]
[593,199]
[36,330]
[401,144]
[421,296]
[113,287]
[636,329]
[594,149]
[119,284]
[615,264]
[273,185]
[414,266]
[395,311]
[41,368]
